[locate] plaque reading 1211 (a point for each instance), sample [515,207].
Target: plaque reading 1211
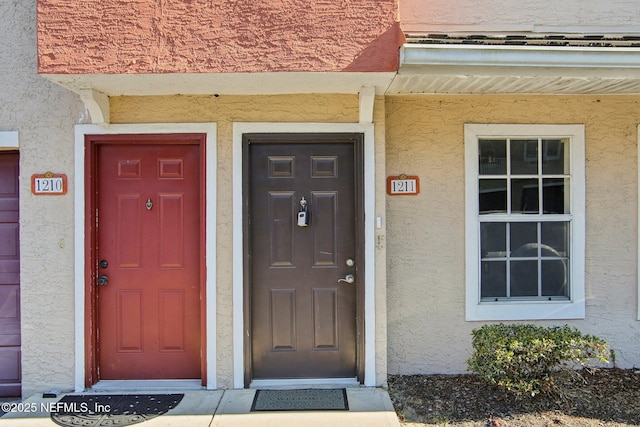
[403,185]
[52,184]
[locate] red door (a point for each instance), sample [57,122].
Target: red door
[148,296]
[304,276]
[10,370]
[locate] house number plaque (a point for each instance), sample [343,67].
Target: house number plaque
[52,184]
[403,185]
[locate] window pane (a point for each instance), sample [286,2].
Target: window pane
[493,280]
[524,278]
[524,234]
[524,196]
[556,236]
[492,156]
[555,195]
[524,156]
[493,239]
[554,278]
[555,156]
[493,196]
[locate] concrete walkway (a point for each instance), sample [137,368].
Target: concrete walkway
[368,407]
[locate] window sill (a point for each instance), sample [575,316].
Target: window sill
[525,310]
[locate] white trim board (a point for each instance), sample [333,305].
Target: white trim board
[240,128]
[210,129]
[9,139]
[306,383]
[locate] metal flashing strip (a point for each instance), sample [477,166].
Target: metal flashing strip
[519,56]
[528,39]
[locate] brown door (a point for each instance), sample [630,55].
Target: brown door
[303,320]
[10,370]
[148,261]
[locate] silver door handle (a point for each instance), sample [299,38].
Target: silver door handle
[347,279]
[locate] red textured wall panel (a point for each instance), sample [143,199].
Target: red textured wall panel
[216,36]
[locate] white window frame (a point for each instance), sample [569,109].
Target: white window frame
[574,307]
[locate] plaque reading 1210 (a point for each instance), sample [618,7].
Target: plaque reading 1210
[403,185]
[52,184]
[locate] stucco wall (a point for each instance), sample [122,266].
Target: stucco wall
[44,115]
[123,36]
[224,110]
[427,331]
[588,16]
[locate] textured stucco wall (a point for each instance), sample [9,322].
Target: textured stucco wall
[224,110]
[171,36]
[427,331]
[591,16]
[44,115]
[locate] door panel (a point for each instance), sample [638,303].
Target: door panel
[303,321]
[323,235]
[149,234]
[10,353]
[325,319]
[283,319]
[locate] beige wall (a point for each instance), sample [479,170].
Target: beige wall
[44,115]
[225,110]
[568,16]
[427,331]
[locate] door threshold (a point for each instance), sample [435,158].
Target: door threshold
[147,385]
[305,383]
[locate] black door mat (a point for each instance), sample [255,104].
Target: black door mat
[98,410]
[301,400]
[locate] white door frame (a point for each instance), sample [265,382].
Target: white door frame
[239,129]
[210,129]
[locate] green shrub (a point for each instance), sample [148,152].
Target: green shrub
[522,358]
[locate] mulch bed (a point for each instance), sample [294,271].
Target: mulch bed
[605,397]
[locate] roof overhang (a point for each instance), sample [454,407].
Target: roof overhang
[501,69]
[96,89]
[424,68]
[272,83]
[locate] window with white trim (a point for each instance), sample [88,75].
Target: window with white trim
[525,221]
